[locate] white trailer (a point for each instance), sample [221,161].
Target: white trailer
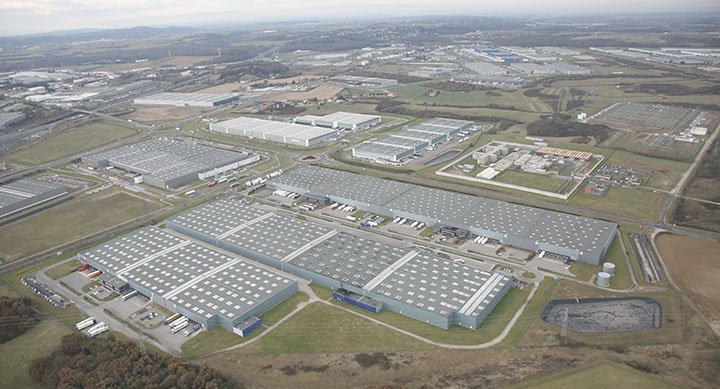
[179,322]
[397,220]
[178,328]
[83,324]
[98,325]
[98,331]
[542,254]
[414,224]
[402,221]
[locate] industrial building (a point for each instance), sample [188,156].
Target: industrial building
[170,162]
[9,118]
[340,120]
[409,141]
[496,55]
[288,133]
[576,237]
[364,82]
[374,274]
[26,193]
[204,284]
[187,99]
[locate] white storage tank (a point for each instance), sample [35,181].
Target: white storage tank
[609,268]
[603,279]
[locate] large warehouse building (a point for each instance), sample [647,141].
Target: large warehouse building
[26,193]
[292,134]
[521,226]
[199,282]
[364,82]
[169,163]
[410,281]
[187,99]
[340,120]
[411,140]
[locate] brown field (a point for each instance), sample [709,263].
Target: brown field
[694,266]
[161,114]
[321,92]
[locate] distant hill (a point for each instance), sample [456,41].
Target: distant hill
[85,35]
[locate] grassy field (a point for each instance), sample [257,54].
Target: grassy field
[633,203]
[219,338]
[322,328]
[675,317]
[531,312]
[489,329]
[83,138]
[63,270]
[69,221]
[621,279]
[17,354]
[530,180]
[599,375]
[664,173]
[415,94]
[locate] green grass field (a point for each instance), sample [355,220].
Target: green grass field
[628,202]
[17,354]
[322,328]
[621,279]
[664,173]
[599,375]
[63,270]
[488,330]
[530,180]
[219,338]
[69,221]
[83,138]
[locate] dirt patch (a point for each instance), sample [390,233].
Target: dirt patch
[694,266]
[161,114]
[321,92]
[604,314]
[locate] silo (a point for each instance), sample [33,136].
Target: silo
[609,268]
[603,279]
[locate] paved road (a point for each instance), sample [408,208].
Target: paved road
[7,140]
[95,311]
[680,187]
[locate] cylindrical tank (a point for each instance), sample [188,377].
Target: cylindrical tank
[609,268]
[603,279]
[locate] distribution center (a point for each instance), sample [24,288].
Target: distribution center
[187,99]
[170,162]
[207,286]
[289,133]
[579,238]
[409,141]
[26,193]
[340,120]
[409,281]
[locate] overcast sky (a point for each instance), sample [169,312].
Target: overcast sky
[21,17]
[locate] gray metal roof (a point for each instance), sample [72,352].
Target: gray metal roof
[194,276]
[26,189]
[167,159]
[574,232]
[260,128]
[407,275]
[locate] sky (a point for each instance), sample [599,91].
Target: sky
[23,17]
